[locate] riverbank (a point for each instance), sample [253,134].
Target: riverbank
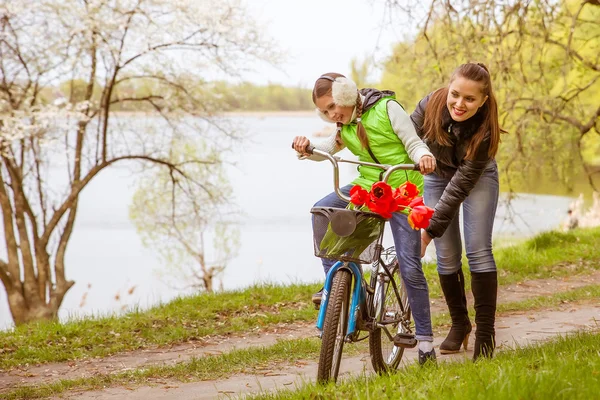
[215,341]
[549,255]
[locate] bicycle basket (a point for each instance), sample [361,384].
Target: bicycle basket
[347,235]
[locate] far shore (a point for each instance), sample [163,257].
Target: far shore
[327,130]
[241,113]
[298,113]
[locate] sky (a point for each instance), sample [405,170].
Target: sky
[324,36]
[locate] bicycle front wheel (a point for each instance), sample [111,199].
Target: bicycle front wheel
[392,313]
[335,327]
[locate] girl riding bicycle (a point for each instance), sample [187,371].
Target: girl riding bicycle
[375,128]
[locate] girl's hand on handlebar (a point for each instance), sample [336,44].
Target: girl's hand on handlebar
[300,144]
[427,164]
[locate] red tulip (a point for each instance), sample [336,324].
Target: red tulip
[358,195]
[401,200]
[381,200]
[404,194]
[409,190]
[381,190]
[419,217]
[417,201]
[385,209]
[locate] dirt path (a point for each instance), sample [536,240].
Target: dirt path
[517,329]
[567,319]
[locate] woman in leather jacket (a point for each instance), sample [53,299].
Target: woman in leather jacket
[460,125]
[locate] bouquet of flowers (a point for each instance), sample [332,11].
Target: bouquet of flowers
[382,200]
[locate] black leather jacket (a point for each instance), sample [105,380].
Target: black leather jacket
[451,164]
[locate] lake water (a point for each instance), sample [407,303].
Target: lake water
[114,271]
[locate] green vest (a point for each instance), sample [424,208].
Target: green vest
[385,145]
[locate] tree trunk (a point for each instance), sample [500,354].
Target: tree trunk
[207,279]
[28,304]
[23,313]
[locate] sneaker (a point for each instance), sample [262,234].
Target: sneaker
[316,298]
[427,357]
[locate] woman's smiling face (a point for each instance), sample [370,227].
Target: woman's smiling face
[464,98]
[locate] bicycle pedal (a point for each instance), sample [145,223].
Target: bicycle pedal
[405,340]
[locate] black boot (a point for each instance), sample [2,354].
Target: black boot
[453,286]
[485,291]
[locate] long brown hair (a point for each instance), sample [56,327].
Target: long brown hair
[432,126]
[323,88]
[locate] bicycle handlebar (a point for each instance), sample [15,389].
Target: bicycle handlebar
[389,169]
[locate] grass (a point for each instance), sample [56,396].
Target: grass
[590,292]
[259,359]
[551,254]
[258,307]
[566,368]
[547,255]
[181,320]
[205,368]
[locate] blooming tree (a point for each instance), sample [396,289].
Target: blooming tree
[104,45]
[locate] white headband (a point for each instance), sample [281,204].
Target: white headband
[343,90]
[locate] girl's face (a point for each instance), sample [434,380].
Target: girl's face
[333,111]
[464,98]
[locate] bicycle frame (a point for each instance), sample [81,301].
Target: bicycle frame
[359,291]
[358,295]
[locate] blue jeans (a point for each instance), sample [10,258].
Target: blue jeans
[479,210]
[408,249]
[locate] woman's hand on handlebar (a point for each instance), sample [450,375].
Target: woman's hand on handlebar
[427,164]
[300,144]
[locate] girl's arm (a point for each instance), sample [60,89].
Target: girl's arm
[418,116]
[330,145]
[404,128]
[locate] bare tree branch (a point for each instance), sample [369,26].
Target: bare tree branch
[582,128]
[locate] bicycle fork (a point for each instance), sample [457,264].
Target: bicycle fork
[358,295]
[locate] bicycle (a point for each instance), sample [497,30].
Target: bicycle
[349,304]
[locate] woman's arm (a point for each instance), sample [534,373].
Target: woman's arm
[464,180]
[404,128]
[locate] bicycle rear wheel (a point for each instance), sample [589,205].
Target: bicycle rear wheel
[391,312]
[335,327]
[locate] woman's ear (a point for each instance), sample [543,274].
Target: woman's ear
[324,117]
[344,92]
